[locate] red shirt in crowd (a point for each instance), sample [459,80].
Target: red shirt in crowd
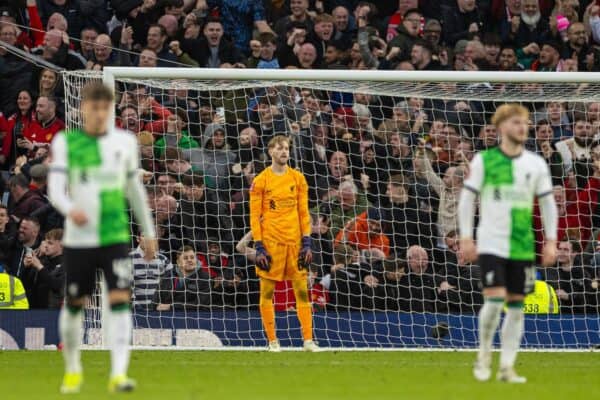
[38,133]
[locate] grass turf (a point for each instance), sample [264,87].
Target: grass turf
[186,375]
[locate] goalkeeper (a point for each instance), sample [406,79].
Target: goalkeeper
[280,224]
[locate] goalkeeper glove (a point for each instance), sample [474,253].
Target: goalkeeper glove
[263,259]
[305,257]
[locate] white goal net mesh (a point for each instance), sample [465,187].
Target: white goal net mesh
[385,162]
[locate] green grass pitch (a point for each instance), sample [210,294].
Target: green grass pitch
[187,375]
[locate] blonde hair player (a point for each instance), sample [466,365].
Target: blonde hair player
[280,224]
[507,180]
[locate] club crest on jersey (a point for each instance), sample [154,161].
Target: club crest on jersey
[292,188]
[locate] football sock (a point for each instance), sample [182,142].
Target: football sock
[512,332]
[267,309]
[70,324]
[120,326]
[303,308]
[489,318]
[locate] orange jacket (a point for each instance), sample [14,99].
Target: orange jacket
[279,207]
[356,233]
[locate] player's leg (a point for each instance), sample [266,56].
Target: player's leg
[117,268]
[267,311]
[80,278]
[520,280]
[304,313]
[494,293]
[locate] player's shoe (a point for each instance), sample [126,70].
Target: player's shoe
[121,383]
[71,383]
[274,347]
[482,370]
[311,346]
[509,375]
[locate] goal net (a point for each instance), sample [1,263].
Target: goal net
[385,155]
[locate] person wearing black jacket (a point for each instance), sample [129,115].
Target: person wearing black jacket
[460,21]
[417,287]
[212,49]
[406,224]
[8,232]
[186,288]
[43,277]
[357,281]
[570,280]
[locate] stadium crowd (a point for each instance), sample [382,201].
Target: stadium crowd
[384,172]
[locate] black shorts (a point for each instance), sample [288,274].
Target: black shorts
[518,277]
[81,265]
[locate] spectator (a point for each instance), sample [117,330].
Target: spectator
[421,57]
[343,25]
[203,215]
[507,60]
[576,151]
[88,41]
[487,137]
[28,239]
[214,159]
[307,56]
[7,235]
[69,10]
[266,57]
[549,57]
[24,200]
[48,83]
[322,33]
[447,189]
[572,283]
[395,20]
[156,41]
[527,28]
[228,283]
[299,13]
[417,287]
[408,32]
[346,205]
[406,224]
[43,277]
[356,285]
[545,147]
[16,124]
[15,72]
[55,49]
[14,300]
[187,287]
[232,13]
[44,127]
[213,50]
[176,134]
[577,48]
[295,36]
[147,276]
[461,21]
[365,232]
[129,119]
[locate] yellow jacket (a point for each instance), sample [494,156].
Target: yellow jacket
[12,293]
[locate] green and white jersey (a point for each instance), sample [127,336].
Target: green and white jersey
[96,175]
[507,188]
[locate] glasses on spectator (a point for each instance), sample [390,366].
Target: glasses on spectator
[413,20]
[579,33]
[8,33]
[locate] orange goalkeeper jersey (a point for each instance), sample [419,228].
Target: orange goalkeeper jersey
[279,207]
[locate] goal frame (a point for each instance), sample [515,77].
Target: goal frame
[111,75]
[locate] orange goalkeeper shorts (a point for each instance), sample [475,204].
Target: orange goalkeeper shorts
[284,262]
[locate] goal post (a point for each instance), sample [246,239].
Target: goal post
[384,146]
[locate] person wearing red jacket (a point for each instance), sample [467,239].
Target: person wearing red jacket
[16,124]
[44,127]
